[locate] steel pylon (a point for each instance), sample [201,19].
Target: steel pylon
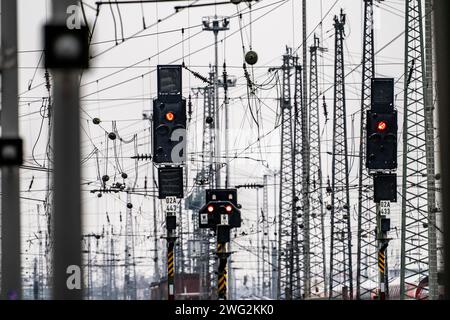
[286,266]
[316,213]
[341,280]
[266,265]
[130,262]
[366,258]
[418,242]
[298,229]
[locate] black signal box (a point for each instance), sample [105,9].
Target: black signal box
[170,182]
[385,187]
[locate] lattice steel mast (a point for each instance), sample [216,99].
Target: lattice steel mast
[266,265]
[418,246]
[207,180]
[341,282]
[129,292]
[430,138]
[299,252]
[366,258]
[287,187]
[305,151]
[112,267]
[317,216]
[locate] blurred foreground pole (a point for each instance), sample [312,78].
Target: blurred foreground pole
[441,12]
[10,209]
[67,271]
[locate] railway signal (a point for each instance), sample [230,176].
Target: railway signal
[221,213]
[381,140]
[169,117]
[381,160]
[382,127]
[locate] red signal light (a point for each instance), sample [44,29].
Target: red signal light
[210,208]
[382,126]
[170,116]
[228,208]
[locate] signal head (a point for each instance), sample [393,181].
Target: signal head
[228,208]
[210,208]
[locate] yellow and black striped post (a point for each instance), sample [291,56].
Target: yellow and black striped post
[222,275]
[381,269]
[170,271]
[381,261]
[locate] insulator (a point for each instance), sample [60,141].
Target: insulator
[112,136]
[129,205]
[190,108]
[251,57]
[105,178]
[142,157]
[124,175]
[96,120]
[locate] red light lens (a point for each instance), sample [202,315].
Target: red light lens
[210,208]
[170,116]
[381,126]
[228,208]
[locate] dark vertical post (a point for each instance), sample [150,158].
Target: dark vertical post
[66,174]
[441,30]
[10,221]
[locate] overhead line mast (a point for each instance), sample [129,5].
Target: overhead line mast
[288,201]
[366,258]
[418,241]
[318,260]
[341,276]
[305,151]
[300,241]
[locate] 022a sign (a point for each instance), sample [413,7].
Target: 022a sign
[171,204]
[385,208]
